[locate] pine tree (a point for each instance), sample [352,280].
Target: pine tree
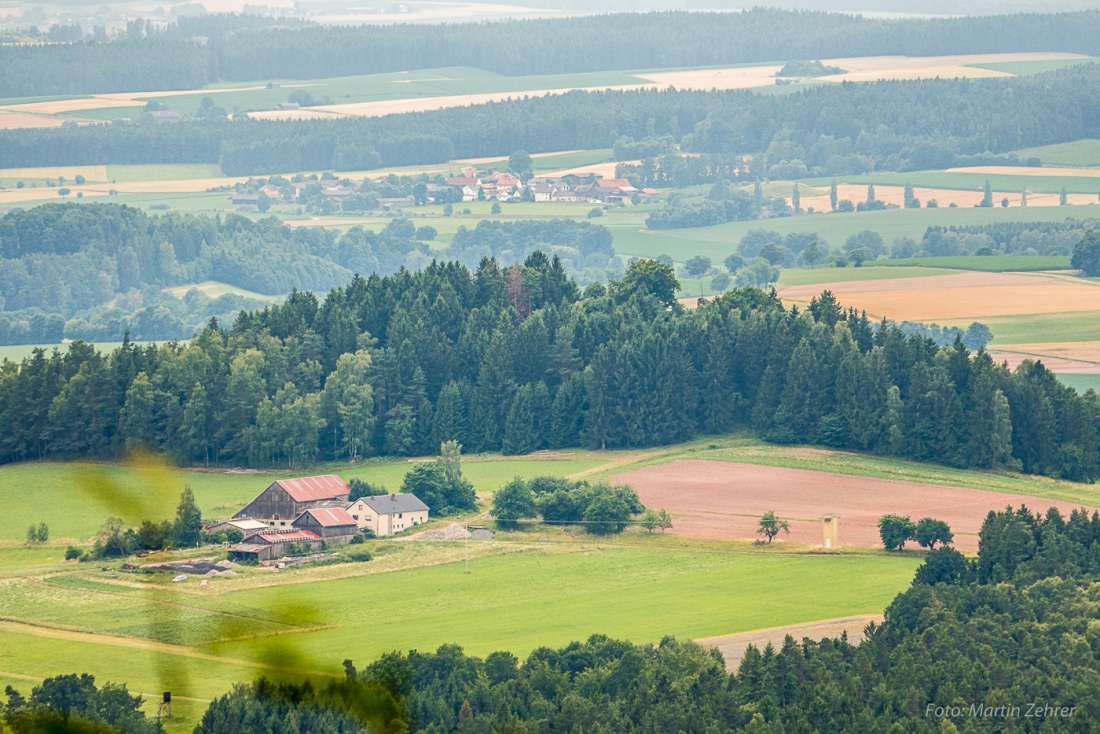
[796,200]
[187,529]
[567,413]
[137,418]
[520,435]
[450,413]
[833,196]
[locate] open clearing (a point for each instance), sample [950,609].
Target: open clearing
[1084,152]
[710,499]
[971,295]
[733,647]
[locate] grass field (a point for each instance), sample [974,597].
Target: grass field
[989,263]
[1058,327]
[1027,68]
[214,289]
[537,587]
[719,241]
[1081,383]
[1078,153]
[169,172]
[19,352]
[516,601]
[825,275]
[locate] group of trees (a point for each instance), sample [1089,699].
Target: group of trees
[76,705]
[116,540]
[601,508]
[519,359]
[825,130]
[895,530]
[1011,628]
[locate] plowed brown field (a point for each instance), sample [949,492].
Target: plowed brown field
[718,499]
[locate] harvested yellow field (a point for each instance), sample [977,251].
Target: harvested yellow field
[69,105]
[12,120]
[874,68]
[606,170]
[1057,364]
[19,196]
[1088,351]
[970,295]
[944,197]
[93,174]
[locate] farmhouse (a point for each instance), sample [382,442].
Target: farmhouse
[389,513]
[333,524]
[286,499]
[272,544]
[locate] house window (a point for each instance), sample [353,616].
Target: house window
[400,515]
[283,522]
[354,517]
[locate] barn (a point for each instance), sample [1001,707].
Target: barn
[333,524]
[286,499]
[272,544]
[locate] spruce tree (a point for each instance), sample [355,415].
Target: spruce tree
[187,529]
[520,435]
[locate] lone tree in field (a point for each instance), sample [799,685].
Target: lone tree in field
[697,266]
[771,526]
[930,531]
[895,530]
[520,162]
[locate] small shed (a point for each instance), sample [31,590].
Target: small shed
[830,531]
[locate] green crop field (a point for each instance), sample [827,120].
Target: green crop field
[168,172]
[1078,153]
[719,241]
[1072,326]
[1027,68]
[986,263]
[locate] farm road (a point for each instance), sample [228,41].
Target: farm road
[733,647]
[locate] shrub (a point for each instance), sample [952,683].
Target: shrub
[358,554]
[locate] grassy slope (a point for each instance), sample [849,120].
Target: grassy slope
[1041,328]
[1025,68]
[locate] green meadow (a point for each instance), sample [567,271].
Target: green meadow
[999,182]
[1072,326]
[1026,68]
[986,263]
[824,275]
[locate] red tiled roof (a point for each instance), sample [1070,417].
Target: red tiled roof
[284,536]
[614,183]
[462,181]
[329,517]
[309,489]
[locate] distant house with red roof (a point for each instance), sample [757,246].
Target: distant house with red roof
[284,500]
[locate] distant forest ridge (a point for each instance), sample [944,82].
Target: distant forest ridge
[215,48]
[834,129]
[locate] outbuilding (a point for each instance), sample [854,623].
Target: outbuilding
[333,524]
[272,544]
[286,499]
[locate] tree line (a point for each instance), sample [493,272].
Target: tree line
[825,130]
[520,359]
[195,52]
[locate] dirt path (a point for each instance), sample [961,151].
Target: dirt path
[733,647]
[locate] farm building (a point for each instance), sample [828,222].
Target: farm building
[333,524]
[245,526]
[388,513]
[286,499]
[272,544]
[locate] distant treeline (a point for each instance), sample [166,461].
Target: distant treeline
[197,52]
[834,129]
[519,358]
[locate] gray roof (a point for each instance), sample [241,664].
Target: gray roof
[388,504]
